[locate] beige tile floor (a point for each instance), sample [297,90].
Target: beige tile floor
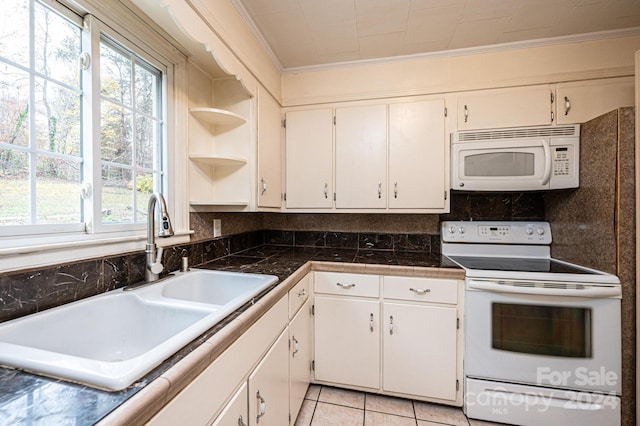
[329,406]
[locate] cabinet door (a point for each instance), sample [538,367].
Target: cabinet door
[269,152]
[309,159]
[583,101]
[300,351]
[417,144]
[521,106]
[236,411]
[361,157]
[347,341]
[419,350]
[269,387]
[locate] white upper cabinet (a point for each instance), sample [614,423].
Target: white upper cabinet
[582,101]
[361,157]
[519,106]
[309,159]
[417,161]
[269,151]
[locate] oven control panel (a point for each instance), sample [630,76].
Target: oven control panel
[489,232]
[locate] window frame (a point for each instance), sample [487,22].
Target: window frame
[153,45]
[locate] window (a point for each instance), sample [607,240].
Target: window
[40,116]
[90,109]
[130,134]
[54,176]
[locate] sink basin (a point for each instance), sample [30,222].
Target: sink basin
[220,289]
[111,340]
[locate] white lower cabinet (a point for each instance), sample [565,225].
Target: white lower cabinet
[269,387]
[300,355]
[347,341]
[413,349]
[419,350]
[236,413]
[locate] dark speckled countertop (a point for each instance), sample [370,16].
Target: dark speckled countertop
[28,399]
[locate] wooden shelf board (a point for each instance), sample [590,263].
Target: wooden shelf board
[217,116]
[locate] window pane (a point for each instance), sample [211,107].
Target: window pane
[57,46]
[57,118]
[146,143]
[115,75]
[146,88]
[14,187]
[117,194]
[14,31]
[116,134]
[144,189]
[58,191]
[14,106]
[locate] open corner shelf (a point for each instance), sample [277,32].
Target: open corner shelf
[218,160]
[217,116]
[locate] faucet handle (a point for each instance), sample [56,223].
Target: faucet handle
[156,266]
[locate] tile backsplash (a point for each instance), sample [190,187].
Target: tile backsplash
[27,292]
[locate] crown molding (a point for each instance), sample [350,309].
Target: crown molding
[257,33]
[502,47]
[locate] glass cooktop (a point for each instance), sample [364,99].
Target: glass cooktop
[517,264]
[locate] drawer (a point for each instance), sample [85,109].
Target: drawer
[421,289]
[299,294]
[347,284]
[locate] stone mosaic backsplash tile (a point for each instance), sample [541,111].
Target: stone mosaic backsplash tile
[27,292]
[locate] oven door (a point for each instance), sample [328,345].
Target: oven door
[513,165]
[544,336]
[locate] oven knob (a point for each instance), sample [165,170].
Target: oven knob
[529,230]
[461,229]
[540,231]
[452,229]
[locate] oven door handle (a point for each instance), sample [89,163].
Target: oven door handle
[591,292]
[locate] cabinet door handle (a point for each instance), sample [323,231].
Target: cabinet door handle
[296,346]
[371,322]
[567,105]
[420,290]
[346,286]
[395,190]
[262,407]
[302,293]
[326,190]
[466,114]
[241,421]
[264,186]
[391,324]
[379,190]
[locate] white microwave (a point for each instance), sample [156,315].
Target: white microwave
[518,159]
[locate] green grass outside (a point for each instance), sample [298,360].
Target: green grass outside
[59,202]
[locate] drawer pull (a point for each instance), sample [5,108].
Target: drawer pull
[262,407]
[420,290]
[345,285]
[302,293]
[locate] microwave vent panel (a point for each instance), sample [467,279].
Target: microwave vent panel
[519,133]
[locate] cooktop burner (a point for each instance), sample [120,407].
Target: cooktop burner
[519,264]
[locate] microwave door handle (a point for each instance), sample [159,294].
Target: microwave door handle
[547,163]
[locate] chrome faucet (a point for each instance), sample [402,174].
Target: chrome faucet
[154,254]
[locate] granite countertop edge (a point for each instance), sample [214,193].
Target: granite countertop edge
[143,405]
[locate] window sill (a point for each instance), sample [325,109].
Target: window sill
[34,252]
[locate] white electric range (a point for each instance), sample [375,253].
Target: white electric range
[542,336]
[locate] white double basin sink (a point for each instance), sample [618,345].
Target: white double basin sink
[113,339]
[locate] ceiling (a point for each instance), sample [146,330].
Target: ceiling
[308,33]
